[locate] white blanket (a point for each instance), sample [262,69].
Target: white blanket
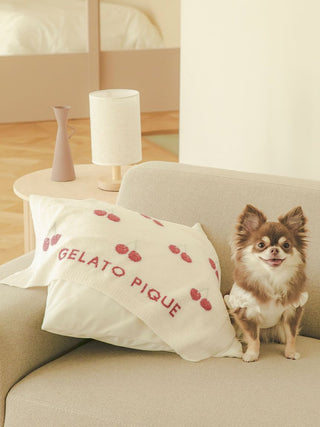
[165,274]
[59,26]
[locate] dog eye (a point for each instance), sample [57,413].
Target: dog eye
[286,245]
[261,245]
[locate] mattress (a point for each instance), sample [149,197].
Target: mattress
[59,26]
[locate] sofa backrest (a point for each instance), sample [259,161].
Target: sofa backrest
[214,197]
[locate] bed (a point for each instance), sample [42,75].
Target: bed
[52,52]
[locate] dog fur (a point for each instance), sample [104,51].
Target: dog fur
[268,295]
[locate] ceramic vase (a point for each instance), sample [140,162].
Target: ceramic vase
[62,167]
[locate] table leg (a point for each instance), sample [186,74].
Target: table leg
[29,237]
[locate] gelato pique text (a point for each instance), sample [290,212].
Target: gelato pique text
[152,294]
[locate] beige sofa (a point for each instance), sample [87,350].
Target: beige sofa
[50,380]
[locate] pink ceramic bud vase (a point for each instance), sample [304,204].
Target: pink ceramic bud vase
[62,167]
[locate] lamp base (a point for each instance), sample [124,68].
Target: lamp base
[106,184]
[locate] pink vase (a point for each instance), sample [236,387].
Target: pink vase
[62,167]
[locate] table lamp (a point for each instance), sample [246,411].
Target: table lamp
[115,132]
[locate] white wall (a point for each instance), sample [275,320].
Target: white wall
[250,85]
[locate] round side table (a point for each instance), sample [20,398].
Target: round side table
[85,186]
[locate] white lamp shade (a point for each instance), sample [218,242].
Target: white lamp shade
[115,126]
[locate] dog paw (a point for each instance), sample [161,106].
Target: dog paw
[293,355]
[250,356]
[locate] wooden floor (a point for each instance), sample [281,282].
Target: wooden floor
[27,147]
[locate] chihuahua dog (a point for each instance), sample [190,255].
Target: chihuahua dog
[268,294]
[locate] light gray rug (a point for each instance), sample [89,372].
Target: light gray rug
[169,142]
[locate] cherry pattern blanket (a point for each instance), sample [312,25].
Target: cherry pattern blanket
[166,274]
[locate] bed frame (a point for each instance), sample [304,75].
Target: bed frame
[30,84]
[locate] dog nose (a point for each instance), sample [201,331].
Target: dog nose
[274,251]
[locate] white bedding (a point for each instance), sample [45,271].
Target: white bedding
[29,27]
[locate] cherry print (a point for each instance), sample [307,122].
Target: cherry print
[195,294]
[122,249]
[113,217]
[46,244]
[158,222]
[186,257]
[174,249]
[134,256]
[212,263]
[206,304]
[154,220]
[55,239]
[100,212]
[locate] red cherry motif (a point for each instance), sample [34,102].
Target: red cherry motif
[134,256]
[113,217]
[100,212]
[195,294]
[46,244]
[122,249]
[145,216]
[55,239]
[212,263]
[206,304]
[154,220]
[186,257]
[174,249]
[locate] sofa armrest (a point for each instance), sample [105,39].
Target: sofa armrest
[23,345]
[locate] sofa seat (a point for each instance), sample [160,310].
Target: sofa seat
[43,383]
[101,385]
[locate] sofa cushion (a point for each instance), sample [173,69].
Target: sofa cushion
[101,385]
[125,278]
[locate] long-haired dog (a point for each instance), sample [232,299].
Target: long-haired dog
[268,294]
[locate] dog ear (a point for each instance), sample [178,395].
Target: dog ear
[251,219]
[294,220]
